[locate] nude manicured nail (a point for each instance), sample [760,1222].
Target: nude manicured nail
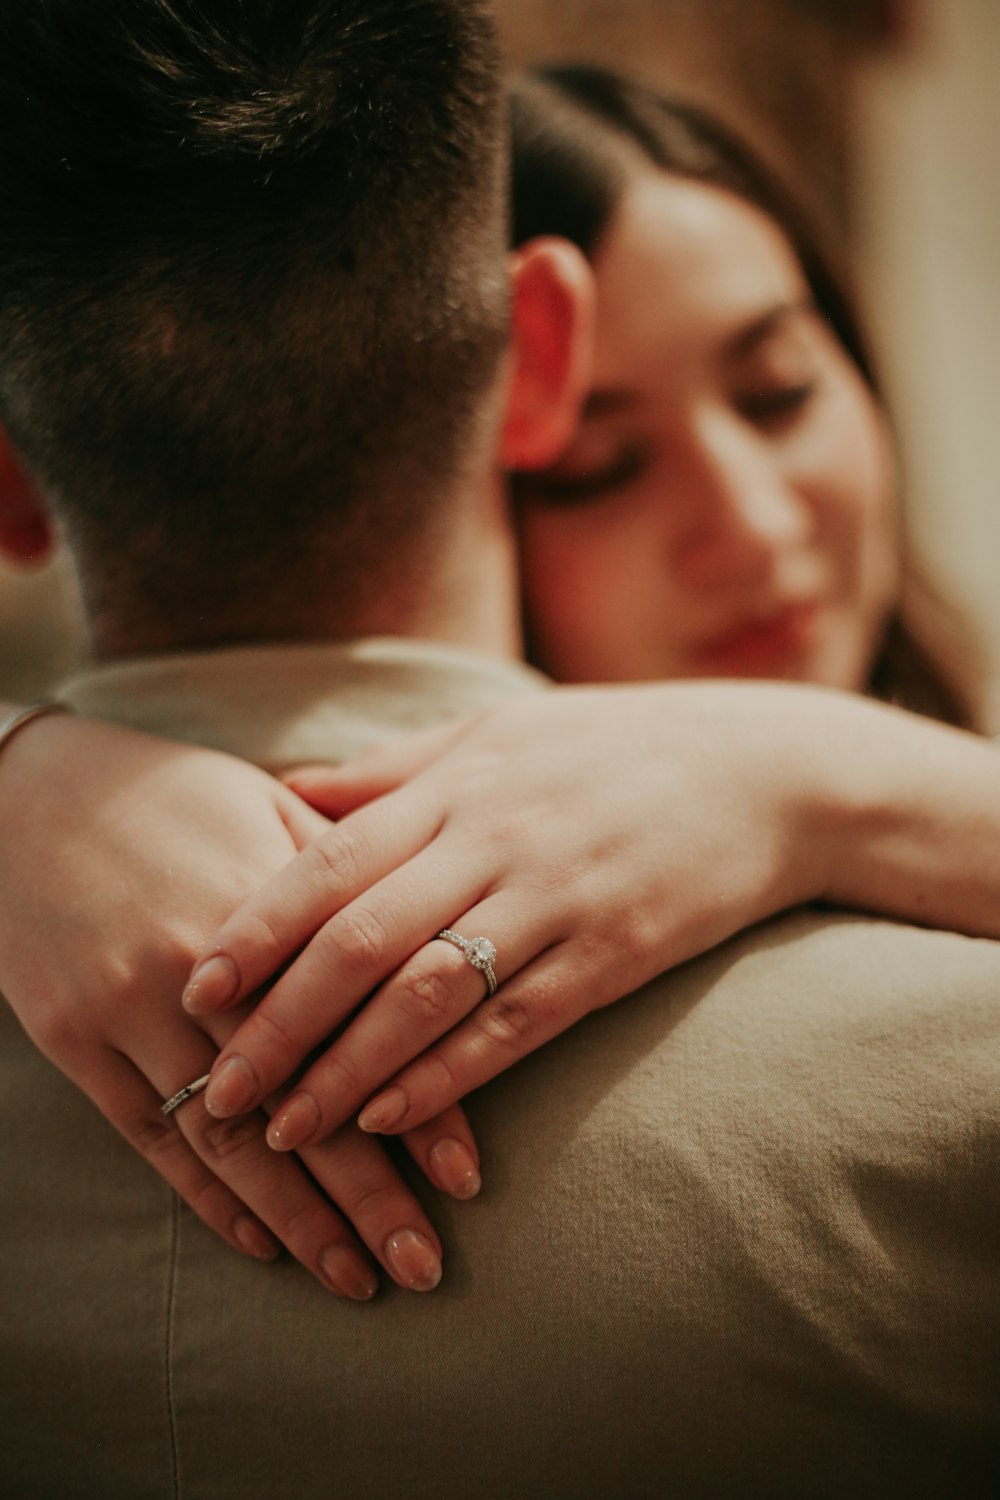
[454,1168]
[233,1089]
[295,1123]
[414,1261]
[254,1239]
[212,985]
[345,1271]
[385,1111]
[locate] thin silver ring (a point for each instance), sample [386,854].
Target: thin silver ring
[479,952]
[183,1095]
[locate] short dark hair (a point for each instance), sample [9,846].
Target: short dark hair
[251,282]
[579,134]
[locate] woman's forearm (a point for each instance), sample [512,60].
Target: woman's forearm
[913,820]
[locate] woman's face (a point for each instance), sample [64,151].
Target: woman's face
[726,506]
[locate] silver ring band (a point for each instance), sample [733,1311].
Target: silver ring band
[479,952]
[10,725]
[183,1095]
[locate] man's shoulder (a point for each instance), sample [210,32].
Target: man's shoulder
[834,975]
[855,1016]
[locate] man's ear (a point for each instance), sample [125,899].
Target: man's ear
[552,344]
[27,536]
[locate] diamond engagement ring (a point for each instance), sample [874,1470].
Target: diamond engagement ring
[183,1095]
[479,952]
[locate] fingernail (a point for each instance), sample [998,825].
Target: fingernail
[254,1239]
[295,1124]
[345,1271]
[233,1089]
[454,1168]
[385,1111]
[212,985]
[414,1261]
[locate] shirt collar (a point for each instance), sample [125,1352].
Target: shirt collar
[279,705]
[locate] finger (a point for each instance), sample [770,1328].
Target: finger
[336,790]
[445,1150]
[429,995]
[288,1202]
[542,1001]
[386,1214]
[128,1102]
[345,961]
[264,933]
[303,823]
[373,1196]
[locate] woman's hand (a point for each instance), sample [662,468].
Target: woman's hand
[149,846]
[596,837]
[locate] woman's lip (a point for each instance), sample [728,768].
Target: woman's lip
[758,645]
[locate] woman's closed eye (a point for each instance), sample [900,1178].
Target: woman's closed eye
[587,475]
[776,405]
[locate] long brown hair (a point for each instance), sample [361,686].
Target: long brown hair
[574,131]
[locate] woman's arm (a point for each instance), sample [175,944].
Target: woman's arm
[596,837]
[121,853]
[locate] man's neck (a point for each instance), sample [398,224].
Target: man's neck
[462,591]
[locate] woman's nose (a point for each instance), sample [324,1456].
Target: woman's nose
[743,514]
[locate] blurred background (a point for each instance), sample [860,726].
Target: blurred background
[890,111]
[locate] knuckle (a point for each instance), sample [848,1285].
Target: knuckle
[56,1031]
[449,1084]
[632,932]
[359,938]
[227,1141]
[338,1077]
[275,1035]
[206,1197]
[503,841]
[506,1021]
[261,935]
[154,1138]
[373,1200]
[426,996]
[334,860]
[302,1226]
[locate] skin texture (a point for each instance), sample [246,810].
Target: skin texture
[157,843]
[726,508]
[709,806]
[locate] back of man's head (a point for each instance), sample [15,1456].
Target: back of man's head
[251,284]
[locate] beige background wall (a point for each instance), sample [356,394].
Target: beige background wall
[779,68]
[928,167]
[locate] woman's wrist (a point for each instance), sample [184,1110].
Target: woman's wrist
[914,828]
[38,763]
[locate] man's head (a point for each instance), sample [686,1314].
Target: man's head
[253,296]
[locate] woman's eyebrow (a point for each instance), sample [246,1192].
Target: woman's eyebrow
[761,327]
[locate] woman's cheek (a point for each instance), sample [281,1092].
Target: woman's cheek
[878,522]
[579,599]
[557,609]
[855,489]
[856,494]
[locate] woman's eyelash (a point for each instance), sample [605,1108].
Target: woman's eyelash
[590,483]
[778,401]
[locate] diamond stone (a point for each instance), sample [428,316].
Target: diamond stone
[480,952]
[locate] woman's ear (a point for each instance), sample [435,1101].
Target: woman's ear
[552,346]
[27,536]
